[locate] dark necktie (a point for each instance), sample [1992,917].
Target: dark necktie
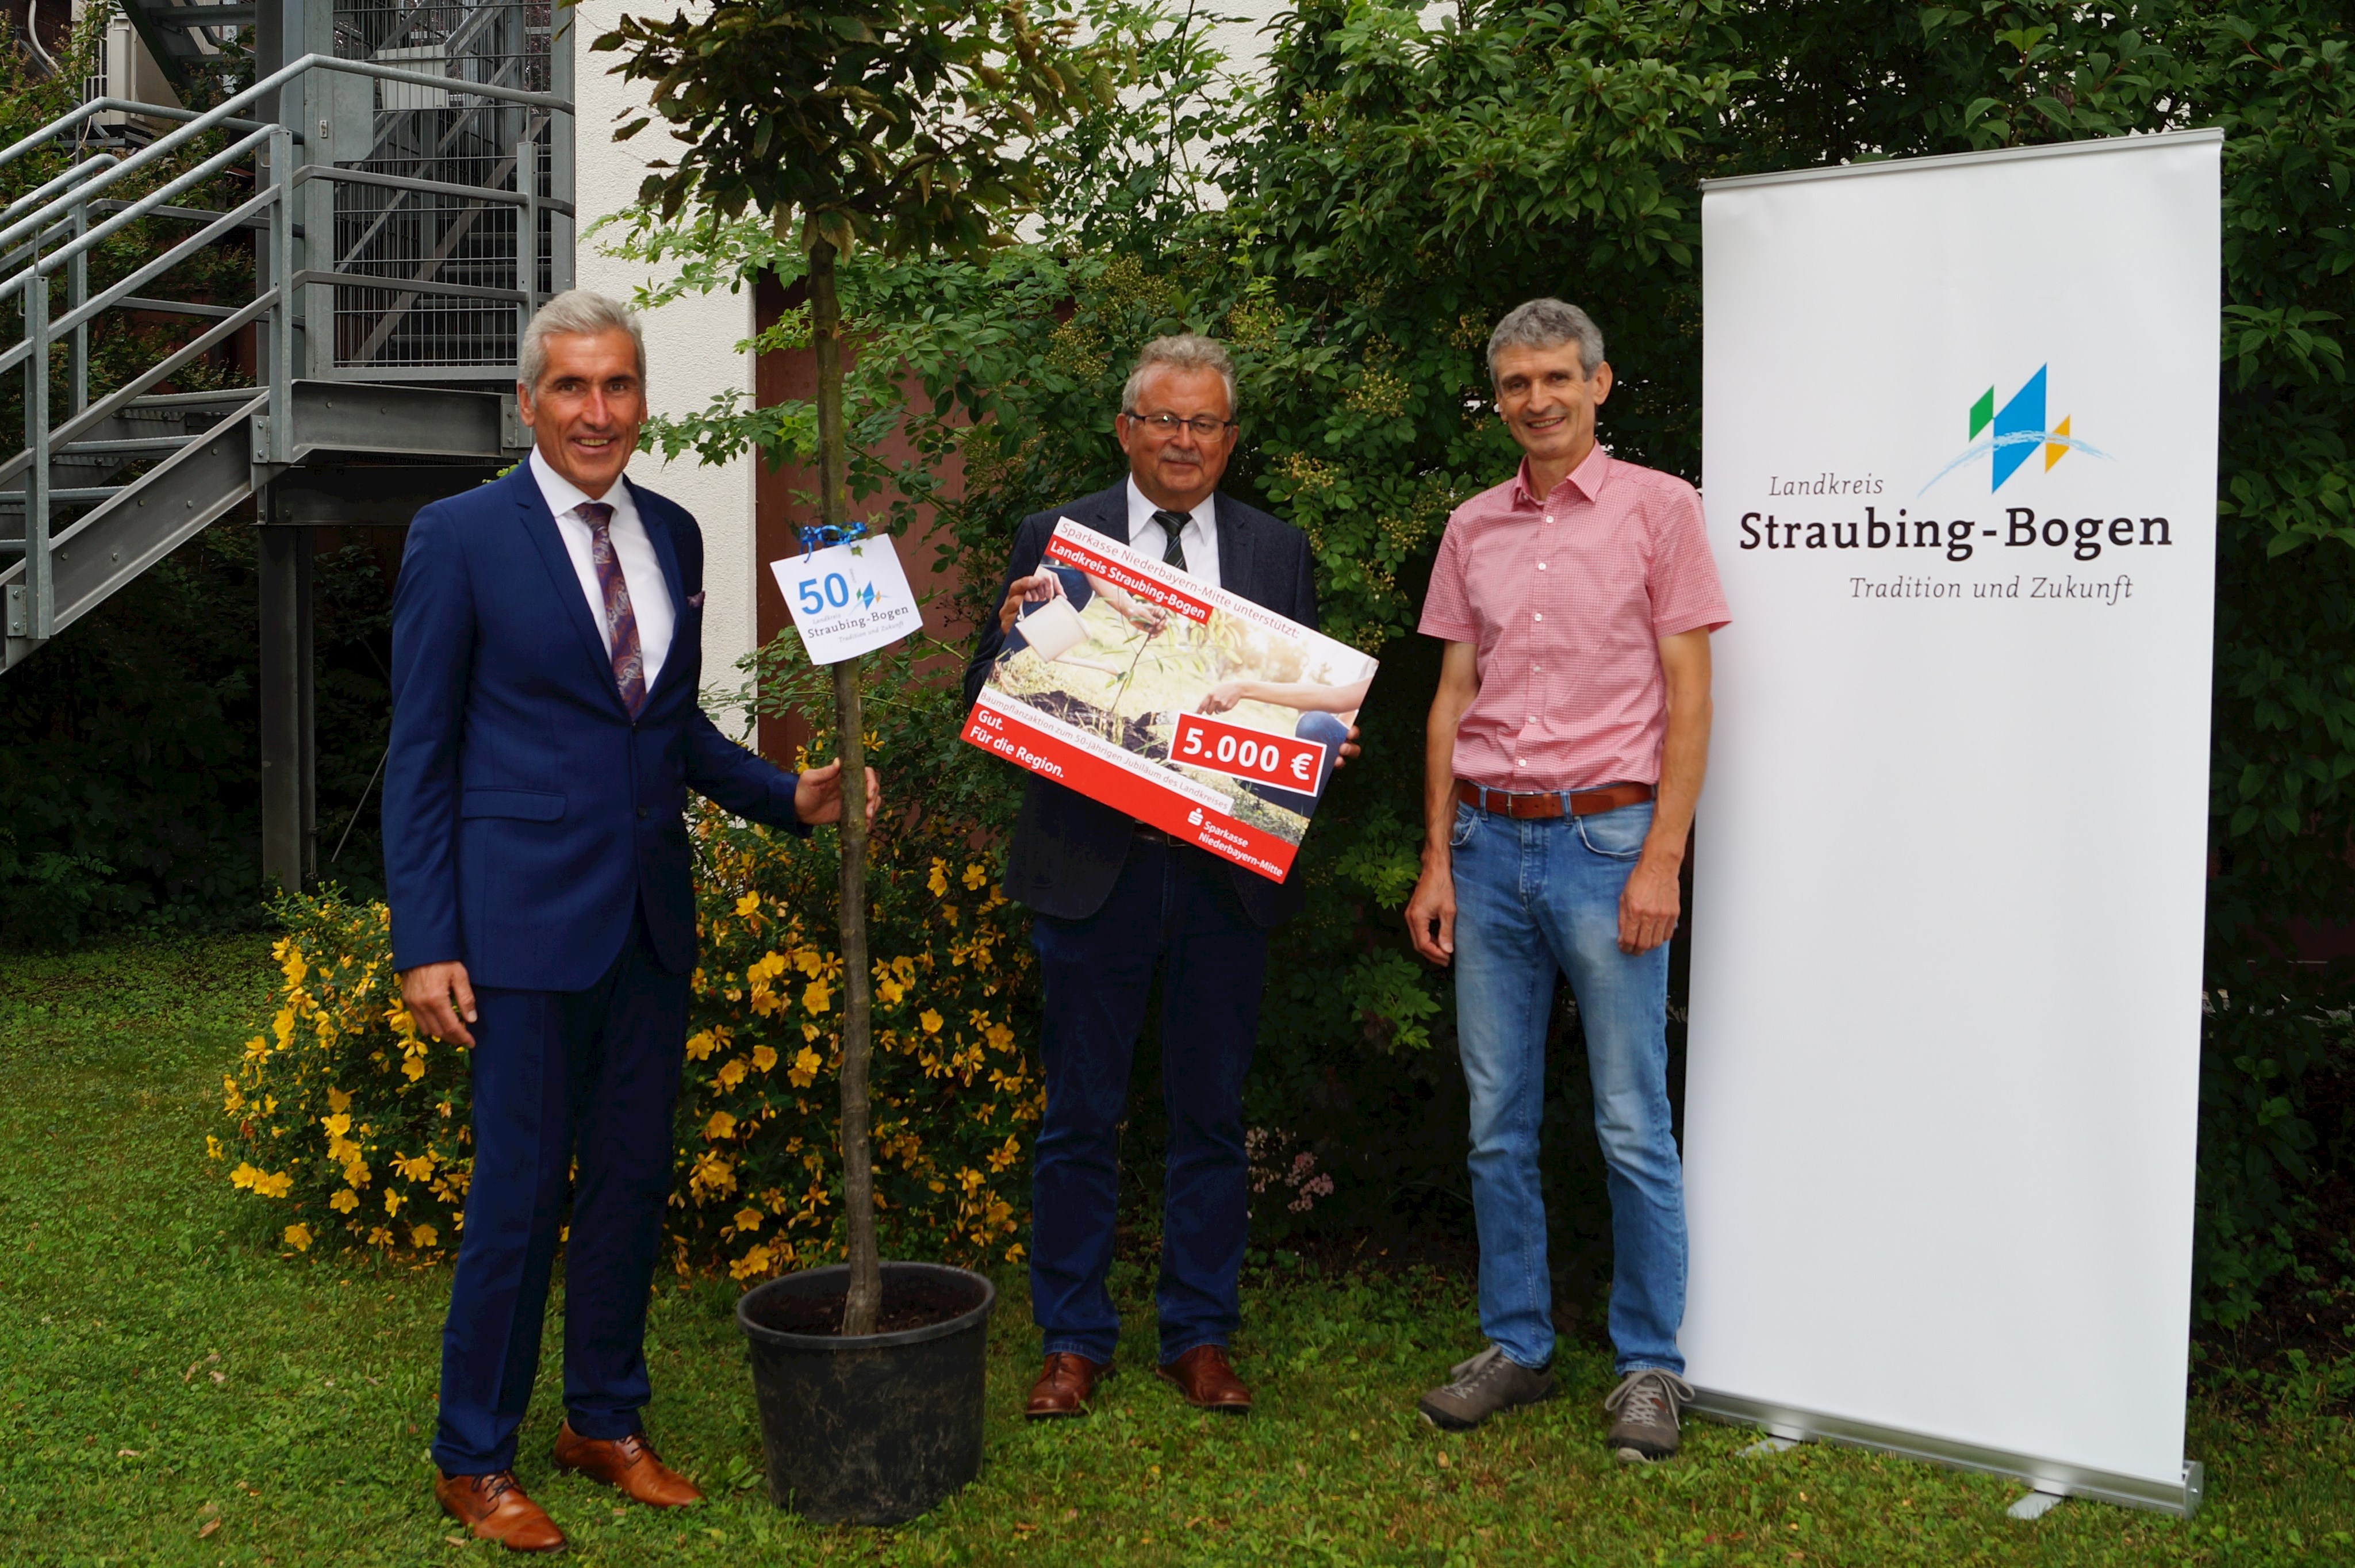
[621,621]
[1173,527]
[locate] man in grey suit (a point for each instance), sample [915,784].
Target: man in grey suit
[1115,900]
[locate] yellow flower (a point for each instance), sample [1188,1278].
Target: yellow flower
[231,1101]
[712,1175]
[816,996]
[424,1236]
[412,1068]
[336,1124]
[764,1057]
[420,1168]
[298,1237]
[338,1102]
[700,1044]
[749,1220]
[939,881]
[391,1201]
[757,1261]
[975,874]
[748,903]
[722,1125]
[344,1202]
[212,1147]
[731,1072]
[267,1185]
[805,1068]
[931,1020]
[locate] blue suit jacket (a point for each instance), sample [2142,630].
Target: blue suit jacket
[1067,849]
[525,811]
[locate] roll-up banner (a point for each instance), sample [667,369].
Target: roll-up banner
[1959,469]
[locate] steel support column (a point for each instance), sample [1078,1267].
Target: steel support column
[290,806]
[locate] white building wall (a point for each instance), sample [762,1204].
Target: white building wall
[691,343]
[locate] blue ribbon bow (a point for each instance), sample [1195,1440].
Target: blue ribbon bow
[817,538]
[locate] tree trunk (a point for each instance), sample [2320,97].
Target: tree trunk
[866,1294]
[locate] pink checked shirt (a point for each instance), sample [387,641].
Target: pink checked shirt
[1567,597]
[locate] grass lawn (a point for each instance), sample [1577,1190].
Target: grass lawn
[173,1391]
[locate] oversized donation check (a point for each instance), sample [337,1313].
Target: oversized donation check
[1191,709]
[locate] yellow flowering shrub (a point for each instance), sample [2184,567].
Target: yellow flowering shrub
[353,1129]
[342,1118]
[956,1088]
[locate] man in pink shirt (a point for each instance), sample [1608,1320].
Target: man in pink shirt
[1564,754]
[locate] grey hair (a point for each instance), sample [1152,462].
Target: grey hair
[1548,323]
[1182,351]
[575,312]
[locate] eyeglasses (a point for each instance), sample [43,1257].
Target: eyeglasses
[1166,425]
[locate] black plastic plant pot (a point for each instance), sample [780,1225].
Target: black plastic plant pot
[879,1428]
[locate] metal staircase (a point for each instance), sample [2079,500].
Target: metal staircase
[409,171]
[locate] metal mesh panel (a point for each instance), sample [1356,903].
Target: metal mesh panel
[451,137]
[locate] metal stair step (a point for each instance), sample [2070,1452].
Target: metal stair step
[74,496]
[139,448]
[222,397]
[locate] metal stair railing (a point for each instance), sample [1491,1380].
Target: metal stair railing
[51,233]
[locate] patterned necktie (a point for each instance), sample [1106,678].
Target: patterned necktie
[1173,527]
[621,621]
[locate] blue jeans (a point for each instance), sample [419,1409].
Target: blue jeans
[1534,897]
[1173,910]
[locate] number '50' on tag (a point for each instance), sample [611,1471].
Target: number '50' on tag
[848,599]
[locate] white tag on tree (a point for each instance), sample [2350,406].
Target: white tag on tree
[848,599]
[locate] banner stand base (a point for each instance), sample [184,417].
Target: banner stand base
[2050,1475]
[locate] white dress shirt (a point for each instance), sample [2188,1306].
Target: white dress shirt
[1201,540]
[649,595]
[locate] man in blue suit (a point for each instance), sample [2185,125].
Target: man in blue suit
[547,638]
[1116,901]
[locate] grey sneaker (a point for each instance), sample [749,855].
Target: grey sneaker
[1480,1388]
[1646,1401]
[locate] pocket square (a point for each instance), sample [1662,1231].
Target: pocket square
[695,600]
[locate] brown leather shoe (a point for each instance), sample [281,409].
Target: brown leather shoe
[1064,1385]
[494,1508]
[628,1463]
[1203,1376]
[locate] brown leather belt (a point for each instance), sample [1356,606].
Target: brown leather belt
[1552,803]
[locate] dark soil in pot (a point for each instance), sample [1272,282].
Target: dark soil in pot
[878,1428]
[909,1302]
